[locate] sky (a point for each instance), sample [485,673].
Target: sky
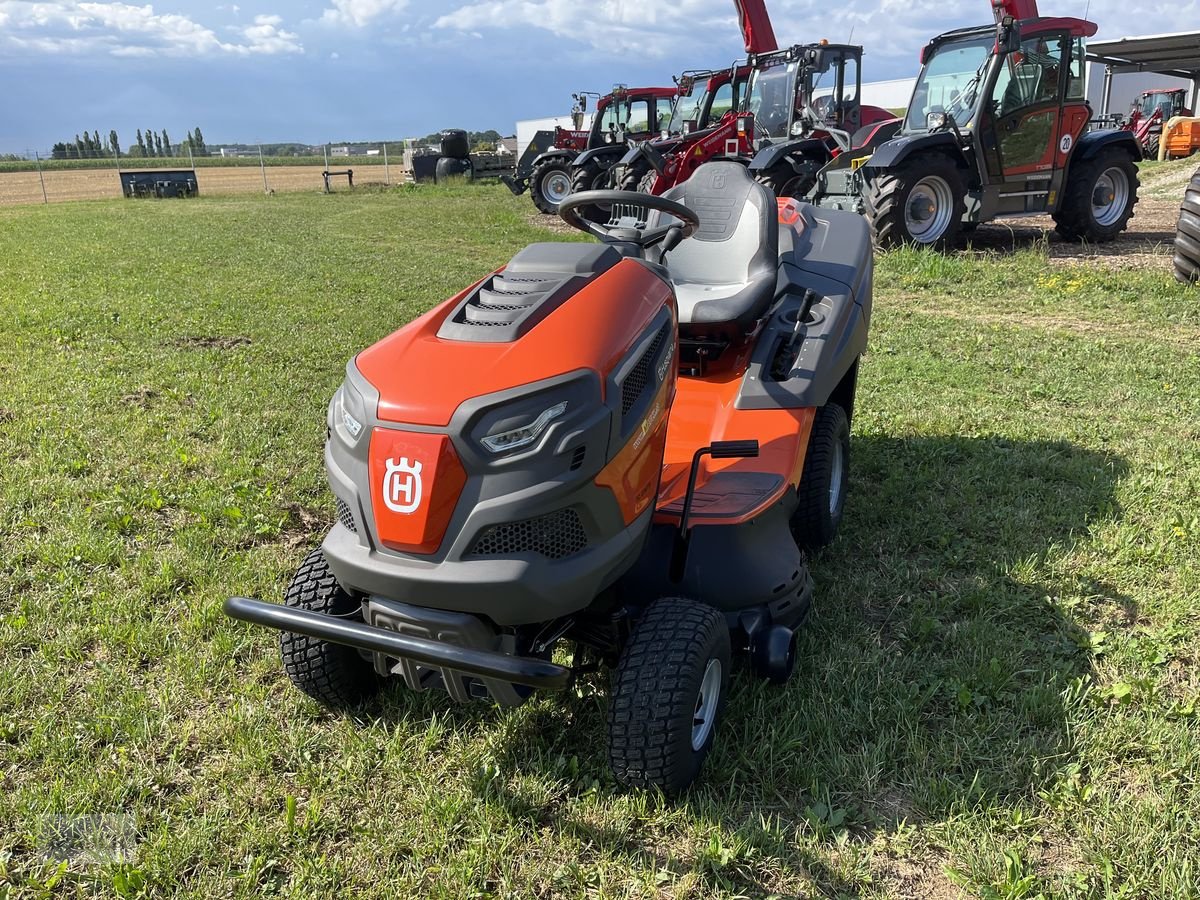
[336,70]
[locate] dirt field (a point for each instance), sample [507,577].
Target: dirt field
[99,184]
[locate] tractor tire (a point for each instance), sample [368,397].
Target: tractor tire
[1187,235]
[823,484]
[331,674]
[783,181]
[550,184]
[668,693]
[450,169]
[1152,144]
[930,181]
[591,176]
[634,176]
[1079,217]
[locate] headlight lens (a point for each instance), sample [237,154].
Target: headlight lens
[348,413]
[935,120]
[516,438]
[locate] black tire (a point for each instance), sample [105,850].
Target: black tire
[1187,234]
[635,176]
[591,176]
[449,169]
[823,484]
[543,171]
[1076,217]
[1152,144]
[888,195]
[331,674]
[656,693]
[783,181]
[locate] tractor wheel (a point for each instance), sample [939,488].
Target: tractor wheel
[668,693]
[1098,198]
[591,176]
[550,184]
[633,176]
[784,182]
[1152,144]
[920,202]
[331,674]
[824,481]
[1187,235]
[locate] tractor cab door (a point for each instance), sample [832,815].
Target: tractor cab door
[1036,112]
[629,118]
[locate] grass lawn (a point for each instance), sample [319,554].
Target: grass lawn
[998,687]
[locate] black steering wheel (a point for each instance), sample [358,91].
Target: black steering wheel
[628,221]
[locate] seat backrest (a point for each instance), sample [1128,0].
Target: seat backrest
[738,237]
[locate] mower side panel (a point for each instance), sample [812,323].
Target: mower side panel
[831,256]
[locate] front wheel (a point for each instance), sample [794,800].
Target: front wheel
[1099,198]
[920,202]
[331,674]
[550,185]
[591,176]
[668,693]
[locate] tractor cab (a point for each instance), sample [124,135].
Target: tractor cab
[630,115]
[1169,102]
[706,97]
[806,91]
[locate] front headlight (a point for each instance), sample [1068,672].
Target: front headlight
[935,120]
[523,436]
[348,413]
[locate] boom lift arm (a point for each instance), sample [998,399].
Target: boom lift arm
[757,31]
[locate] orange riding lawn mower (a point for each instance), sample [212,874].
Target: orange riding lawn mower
[662,435]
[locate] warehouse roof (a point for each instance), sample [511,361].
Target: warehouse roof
[1166,54]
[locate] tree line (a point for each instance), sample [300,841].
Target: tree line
[149,143]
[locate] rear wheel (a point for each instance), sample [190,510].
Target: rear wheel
[1187,234]
[920,202]
[550,184]
[591,176]
[635,176]
[823,484]
[329,673]
[1098,198]
[668,694]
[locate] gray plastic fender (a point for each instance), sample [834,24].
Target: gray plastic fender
[1093,142]
[895,151]
[769,157]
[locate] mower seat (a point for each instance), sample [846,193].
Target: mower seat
[726,273]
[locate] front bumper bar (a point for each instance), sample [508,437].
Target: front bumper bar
[535,673]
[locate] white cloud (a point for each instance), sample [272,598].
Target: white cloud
[359,12]
[126,30]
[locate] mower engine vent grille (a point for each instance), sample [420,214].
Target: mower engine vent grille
[345,516]
[637,379]
[555,536]
[577,458]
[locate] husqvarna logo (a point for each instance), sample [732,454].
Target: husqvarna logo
[402,486]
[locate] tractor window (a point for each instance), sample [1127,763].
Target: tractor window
[1076,84]
[663,108]
[850,82]
[950,81]
[1029,76]
[723,101]
[772,93]
[687,109]
[638,121]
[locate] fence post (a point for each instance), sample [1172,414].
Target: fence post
[41,177]
[262,165]
[325,150]
[191,159]
[387,178]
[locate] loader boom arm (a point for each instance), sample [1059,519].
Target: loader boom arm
[1018,9]
[756,26]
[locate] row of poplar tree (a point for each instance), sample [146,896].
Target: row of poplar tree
[150,143]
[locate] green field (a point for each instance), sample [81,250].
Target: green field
[395,157]
[997,693]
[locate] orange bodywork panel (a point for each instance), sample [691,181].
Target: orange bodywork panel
[416,479]
[422,379]
[729,491]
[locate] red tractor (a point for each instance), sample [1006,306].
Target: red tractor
[799,109]
[1150,111]
[627,114]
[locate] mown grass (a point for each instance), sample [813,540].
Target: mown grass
[998,687]
[396,155]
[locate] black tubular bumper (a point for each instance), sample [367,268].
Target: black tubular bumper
[535,673]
